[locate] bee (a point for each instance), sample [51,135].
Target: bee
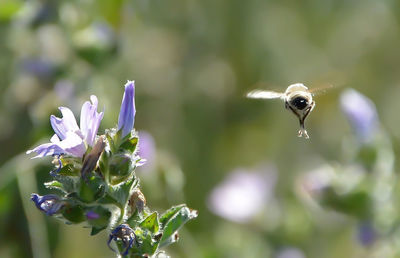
[298,99]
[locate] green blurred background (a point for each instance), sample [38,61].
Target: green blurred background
[193,61]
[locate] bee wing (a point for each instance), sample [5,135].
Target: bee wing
[322,89]
[264,94]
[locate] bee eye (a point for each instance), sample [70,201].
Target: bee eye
[300,103]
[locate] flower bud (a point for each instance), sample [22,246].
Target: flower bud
[120,165]
[127,112]
[50,204]
[137,201]
[98,217]
[125,234]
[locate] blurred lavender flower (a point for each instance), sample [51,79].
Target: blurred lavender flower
[127,112]
[124,233]
[65,90]
[361,113]
[366,234]
[290,252]
[147,150]
[312,184]
[50,203]
[243,194]
[40,68]
[68,138]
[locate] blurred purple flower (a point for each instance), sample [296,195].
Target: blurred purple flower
[290,252]
[361,113]
[147,149]
[68,138]
[40,68]
[104,33]
[243,194]
[64,89]
[366,233]
[314,183]
[127,112]
[50,204]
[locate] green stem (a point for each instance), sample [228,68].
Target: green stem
[36,222]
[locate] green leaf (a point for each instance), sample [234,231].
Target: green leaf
[103,161]
[129,145]
[96,230]
[70,184]
[69,170]
[175,222]
[151,223]
[92,189]
[120,193]
[170,213]
[74,214]
[111,141]
[356,203]
[54,185]
[107,199]
[103,219]
[9,8]
[147,244]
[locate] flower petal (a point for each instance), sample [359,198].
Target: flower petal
[127,112]
[50,204]
[73,144]
[46,149]
[90,120]
[361,113]
[243,194]
[125,234]
[65,124]
[54,139]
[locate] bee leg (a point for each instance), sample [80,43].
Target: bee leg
[312,106]
[303,130]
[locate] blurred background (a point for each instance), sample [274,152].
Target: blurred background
[260,190]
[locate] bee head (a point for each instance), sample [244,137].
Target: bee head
[299,102]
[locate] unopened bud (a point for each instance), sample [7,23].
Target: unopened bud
[121,165]
[90,161]
[137,201]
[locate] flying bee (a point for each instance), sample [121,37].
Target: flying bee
[298,99]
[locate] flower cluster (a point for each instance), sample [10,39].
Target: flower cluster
[96,182]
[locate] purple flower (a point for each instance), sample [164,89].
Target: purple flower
[50,204]
[91,215]
[68,138]
[147,150]
[366,234]
[41,68]
[127,112]
[243,194]
[361,113]
[290,252]
[124,233]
